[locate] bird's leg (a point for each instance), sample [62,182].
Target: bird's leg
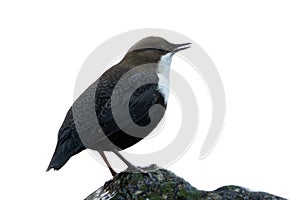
[130,166]
[113,173]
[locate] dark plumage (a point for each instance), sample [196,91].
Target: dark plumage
[90,122]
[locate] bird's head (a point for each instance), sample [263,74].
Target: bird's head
[158,53]
[155,49]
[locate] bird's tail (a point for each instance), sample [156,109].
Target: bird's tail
[59,158]
[68,145]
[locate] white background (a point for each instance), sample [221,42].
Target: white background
[255,46]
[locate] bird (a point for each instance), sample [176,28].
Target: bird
[121,107]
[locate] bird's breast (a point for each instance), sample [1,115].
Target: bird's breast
[163,71]
[163,86]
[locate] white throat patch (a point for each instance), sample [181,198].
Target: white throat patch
[163,71]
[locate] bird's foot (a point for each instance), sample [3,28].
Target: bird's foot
[134,169]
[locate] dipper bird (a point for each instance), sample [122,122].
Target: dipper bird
[122,106]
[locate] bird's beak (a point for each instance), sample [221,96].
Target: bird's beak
[179,47]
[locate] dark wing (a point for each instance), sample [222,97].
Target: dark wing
[124,108]
[138,106]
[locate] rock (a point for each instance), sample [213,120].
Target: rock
[163,184]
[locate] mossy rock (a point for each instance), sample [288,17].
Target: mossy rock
[160,184]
